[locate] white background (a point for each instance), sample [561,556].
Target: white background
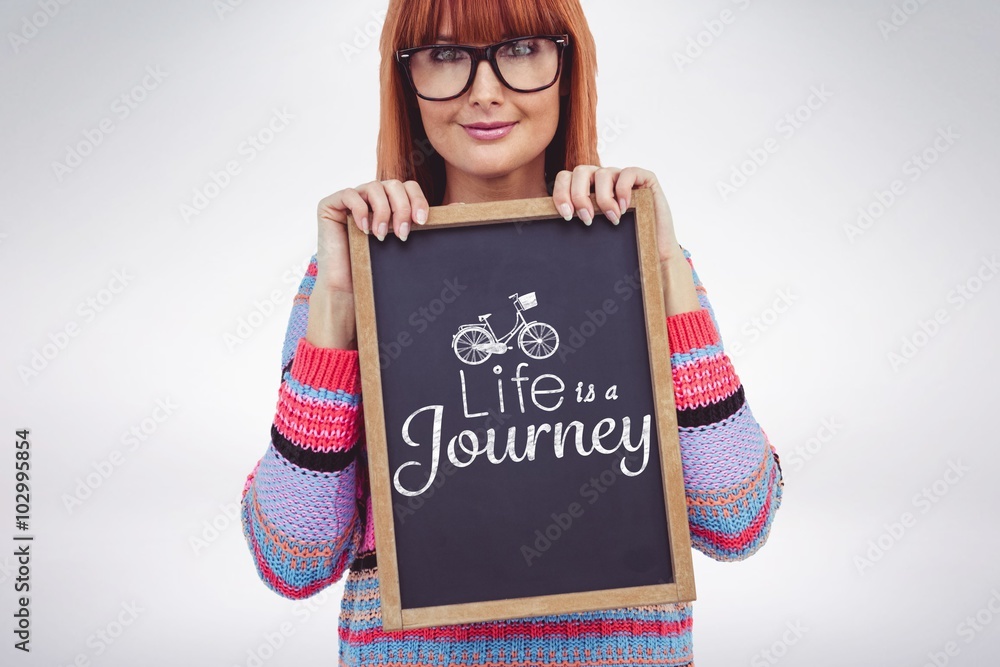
[825,359]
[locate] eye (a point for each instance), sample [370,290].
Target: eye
[519,49]
[447,54]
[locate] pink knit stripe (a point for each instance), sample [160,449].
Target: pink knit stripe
[326,368]
[517,628]
[704,381]
[319,425]
[691,330]
[250,477]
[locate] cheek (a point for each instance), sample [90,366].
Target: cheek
[437,120]
[548,113]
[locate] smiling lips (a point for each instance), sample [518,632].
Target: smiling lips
[488,131]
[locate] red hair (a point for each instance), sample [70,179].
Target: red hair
[403,150]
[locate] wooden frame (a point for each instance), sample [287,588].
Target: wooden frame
[394,617]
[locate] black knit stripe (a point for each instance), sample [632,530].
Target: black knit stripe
[364,562]
[710,414]
[307,458]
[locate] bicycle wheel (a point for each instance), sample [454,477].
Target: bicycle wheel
[470,345]
[538,340]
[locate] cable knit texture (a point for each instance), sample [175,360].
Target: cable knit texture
[307,518]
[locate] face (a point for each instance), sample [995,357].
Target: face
[535,117]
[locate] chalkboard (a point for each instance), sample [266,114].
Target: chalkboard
[519,415]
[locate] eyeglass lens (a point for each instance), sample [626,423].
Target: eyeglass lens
[524,64]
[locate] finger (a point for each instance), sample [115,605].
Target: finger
[374,194]
[560,194]
[400,203]
[418,202]
[623,188]
[579,190]
[358,208]
[331,208]
[604,194]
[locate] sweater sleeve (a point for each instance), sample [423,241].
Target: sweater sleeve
[303,507]
[732,473]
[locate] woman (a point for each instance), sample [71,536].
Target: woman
[520,125]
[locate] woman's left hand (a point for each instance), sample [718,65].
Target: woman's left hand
[613,192]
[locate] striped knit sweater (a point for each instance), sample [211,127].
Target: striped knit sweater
[307,517]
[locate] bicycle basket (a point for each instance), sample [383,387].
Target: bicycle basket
[527,301]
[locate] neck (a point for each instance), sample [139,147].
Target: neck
[523,183]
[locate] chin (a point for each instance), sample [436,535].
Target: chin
[486,166]
[491,171]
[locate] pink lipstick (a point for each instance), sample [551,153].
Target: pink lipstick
[488,131]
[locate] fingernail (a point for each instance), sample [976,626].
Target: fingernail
[611,216]
[364,224]
[566,210]
[585,216]
[421,216]
[382,229]
[622,206]
[404,230]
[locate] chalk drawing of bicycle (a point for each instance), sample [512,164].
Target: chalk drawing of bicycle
[474,343]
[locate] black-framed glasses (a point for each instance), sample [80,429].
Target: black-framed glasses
[440,72]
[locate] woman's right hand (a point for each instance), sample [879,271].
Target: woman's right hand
[377,207]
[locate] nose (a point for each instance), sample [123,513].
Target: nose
[486,87]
